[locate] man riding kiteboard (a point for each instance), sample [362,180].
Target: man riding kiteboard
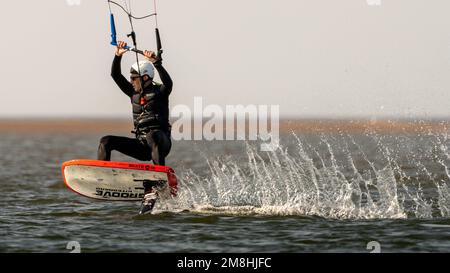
[150,103]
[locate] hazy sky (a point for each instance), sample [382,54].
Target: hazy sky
[329,58]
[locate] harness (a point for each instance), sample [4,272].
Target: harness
[141,134]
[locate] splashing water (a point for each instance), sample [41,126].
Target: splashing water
[333,177]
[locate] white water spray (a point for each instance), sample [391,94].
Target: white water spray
[335,178]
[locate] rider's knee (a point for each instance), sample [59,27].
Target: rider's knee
[106,140]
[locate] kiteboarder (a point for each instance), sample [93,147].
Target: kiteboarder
[150,103]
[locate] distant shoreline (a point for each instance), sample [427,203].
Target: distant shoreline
[109,125]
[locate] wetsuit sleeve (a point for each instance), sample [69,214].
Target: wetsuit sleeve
[167,83]
[121,81]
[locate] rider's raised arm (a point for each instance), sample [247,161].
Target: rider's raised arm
[116,70]
[166,80]
[121,81]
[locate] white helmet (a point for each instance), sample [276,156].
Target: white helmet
[145,67]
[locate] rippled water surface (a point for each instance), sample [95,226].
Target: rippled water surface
[318,193]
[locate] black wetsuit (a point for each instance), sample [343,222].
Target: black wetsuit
[151,119]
